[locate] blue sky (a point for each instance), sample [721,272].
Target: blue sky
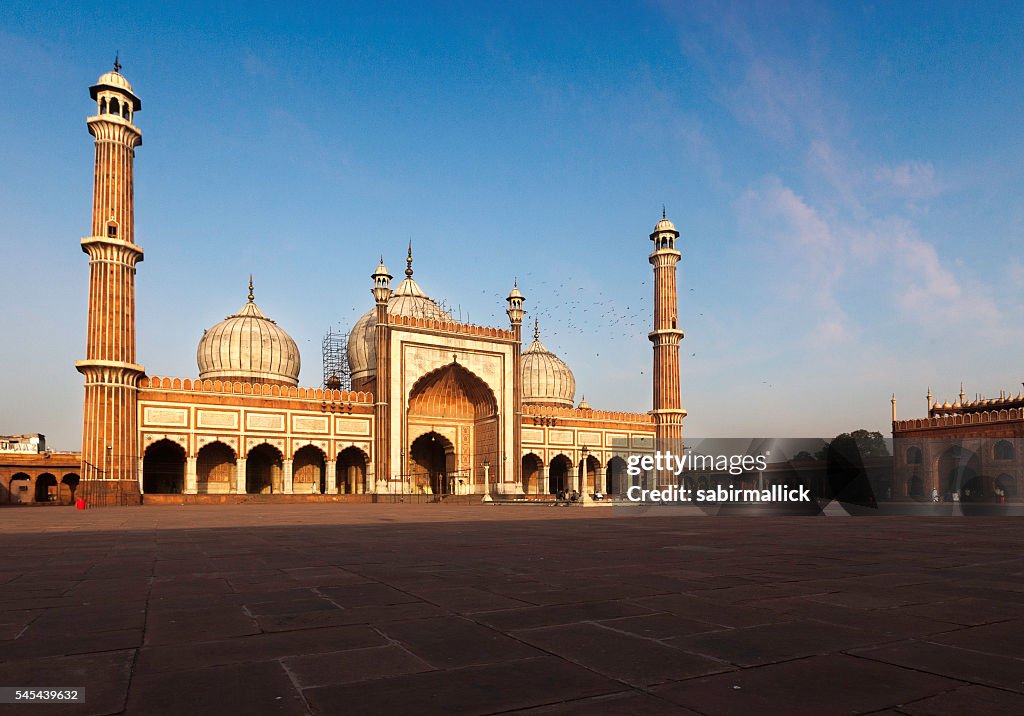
[847,178]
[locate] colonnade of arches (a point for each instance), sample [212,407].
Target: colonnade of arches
[57,487]
[960,473]
[561,474]
[217,470]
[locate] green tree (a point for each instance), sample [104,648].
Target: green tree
[870,443]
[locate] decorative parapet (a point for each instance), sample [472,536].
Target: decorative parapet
[552,411]
[255,389]
[451,327]
[945,421]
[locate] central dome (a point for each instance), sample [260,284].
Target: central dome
[250,348]
[407,300]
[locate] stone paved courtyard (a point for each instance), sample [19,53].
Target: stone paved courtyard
[420,609]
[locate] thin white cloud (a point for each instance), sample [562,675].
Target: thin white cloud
[909,180]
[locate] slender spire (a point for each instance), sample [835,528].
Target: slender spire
[663,211]
[408,261]
[117,65]
[961,392]
[536,329]
[251,297]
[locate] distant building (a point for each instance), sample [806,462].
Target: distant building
[29,473]
[32,443]
[967,450]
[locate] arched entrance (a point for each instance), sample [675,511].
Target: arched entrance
[960,471]
[308,474]
[215,469]
[263,470]
[46,488]
[351,471]
[558,475]
[19,488]
[456,403]
[532,467]
[615,476]
[163,468]
[432,455]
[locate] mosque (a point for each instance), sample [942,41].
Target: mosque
[437,407]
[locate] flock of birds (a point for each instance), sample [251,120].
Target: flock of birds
[569,315]
[572,318]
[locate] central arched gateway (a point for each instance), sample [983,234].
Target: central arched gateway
[960,472]
[454,407]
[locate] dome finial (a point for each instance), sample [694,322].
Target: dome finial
[408,261]
[663,211]
[251,297]
[117,65]
[536,329]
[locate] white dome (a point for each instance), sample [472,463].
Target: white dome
[407,300]
[250,348]
[114,79]
[547,380]
[664,225]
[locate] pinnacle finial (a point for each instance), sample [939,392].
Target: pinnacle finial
[515,282]
[662,211]
[251,296]
[536,329]
[408,261]
[117,65]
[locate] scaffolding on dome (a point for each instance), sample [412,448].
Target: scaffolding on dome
[337,374]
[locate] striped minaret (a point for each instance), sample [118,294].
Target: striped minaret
[668,411]
[515,313]
[110,454]
[382,394]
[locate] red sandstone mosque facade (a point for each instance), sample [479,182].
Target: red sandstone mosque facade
[964,450]
[436,406]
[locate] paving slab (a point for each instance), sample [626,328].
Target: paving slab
[446,642]
[968,699]
[105,677]
[975,667]
[624,657]
[254,688]
[354,665]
